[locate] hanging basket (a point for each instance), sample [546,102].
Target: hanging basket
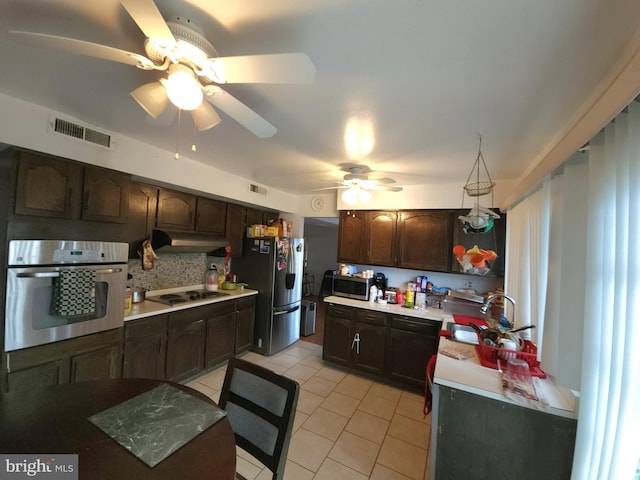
[479,189]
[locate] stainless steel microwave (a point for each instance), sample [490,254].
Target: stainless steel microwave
[352,287]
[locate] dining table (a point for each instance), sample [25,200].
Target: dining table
[75,418]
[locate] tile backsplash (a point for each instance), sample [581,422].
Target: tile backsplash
[173,270]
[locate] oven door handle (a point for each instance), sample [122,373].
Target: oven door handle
[57,274]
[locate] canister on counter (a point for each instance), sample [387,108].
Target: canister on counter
[128,300]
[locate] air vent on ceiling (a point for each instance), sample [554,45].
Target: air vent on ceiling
[256,189]
[81,132]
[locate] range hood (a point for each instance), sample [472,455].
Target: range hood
[186,242]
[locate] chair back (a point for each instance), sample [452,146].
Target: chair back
[260,405]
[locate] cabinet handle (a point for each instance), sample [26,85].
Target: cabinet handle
[356,343]
[69,194]
[86,201]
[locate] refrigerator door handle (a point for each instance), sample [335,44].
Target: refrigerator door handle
[284,312]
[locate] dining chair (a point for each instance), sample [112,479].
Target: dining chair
[260,405]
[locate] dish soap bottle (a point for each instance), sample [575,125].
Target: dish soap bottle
[211,279]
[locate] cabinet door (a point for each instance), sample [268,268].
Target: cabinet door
[221,333]
[369,352]
[105,195]
[381,238]
[143,200]
[48,374]
[338,334]
[176,210]
[424,240]
[351,233]
[100,364]
[254,217]
[211,216]
[48,187]
[185,343]
[145,348]
[411,343]
[235,231]
[492,240]
[245,320]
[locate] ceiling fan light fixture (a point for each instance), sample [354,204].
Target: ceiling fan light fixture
[152,97]
[353,194]
[183,89]
[205,117]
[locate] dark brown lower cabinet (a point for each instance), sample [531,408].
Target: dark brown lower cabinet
[245,319]
[411,343]
[395,347]
[355,338]
[145,348]
[221,333]
[92,357]
[185,342]
[338,334]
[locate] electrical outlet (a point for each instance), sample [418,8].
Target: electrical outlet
[468,284]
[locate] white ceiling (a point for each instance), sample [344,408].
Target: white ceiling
[428,75]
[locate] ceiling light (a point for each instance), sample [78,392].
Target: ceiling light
[183,88]
[354,193]
[152,97]
[205,116]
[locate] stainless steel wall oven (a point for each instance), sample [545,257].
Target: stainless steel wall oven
[59,289]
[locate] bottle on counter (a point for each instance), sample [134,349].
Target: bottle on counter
[373,294]
[411,295]
[212,278]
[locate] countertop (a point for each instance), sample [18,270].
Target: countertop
[428,313]
[469,375]
[149,308]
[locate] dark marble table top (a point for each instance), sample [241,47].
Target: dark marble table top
[157,422]
[56,420]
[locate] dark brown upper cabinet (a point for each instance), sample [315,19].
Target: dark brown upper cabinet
[143,201]
[176,210]
[235,231]
[351,231]
[424,240]
[57,188]
[380,238]
[211,216]
[105,195]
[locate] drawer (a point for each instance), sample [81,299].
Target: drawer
[223,308]
[411,324]
[145,327]
[340,312]
[246,303]
[183,318]
[374,318]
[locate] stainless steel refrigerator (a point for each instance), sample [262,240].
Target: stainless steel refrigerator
[273,266]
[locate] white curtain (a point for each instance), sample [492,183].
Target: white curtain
[574,269]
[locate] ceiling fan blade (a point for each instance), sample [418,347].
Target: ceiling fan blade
[205,117]
[81,47]
[386,188]
[239,112]
[337,187]
[149,19]
[383,181]
[273,68]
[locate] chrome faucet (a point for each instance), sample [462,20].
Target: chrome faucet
[485,308]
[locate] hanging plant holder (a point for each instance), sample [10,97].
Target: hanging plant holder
[479,188]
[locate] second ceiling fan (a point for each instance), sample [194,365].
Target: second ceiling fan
[194,68]
[356,184]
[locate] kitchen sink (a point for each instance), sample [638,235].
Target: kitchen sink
[462,333]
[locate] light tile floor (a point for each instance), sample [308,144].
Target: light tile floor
[346,426]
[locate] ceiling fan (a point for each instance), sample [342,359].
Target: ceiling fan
[194,68]
[356,184]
